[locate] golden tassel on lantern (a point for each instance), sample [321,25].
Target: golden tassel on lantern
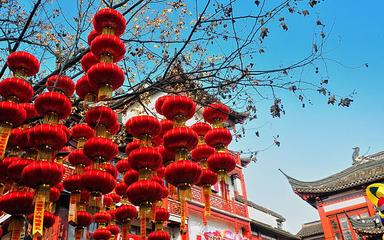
[38,216]
[207,203]
[124,230]
[143,222]
[72,211]
[105,92]
[16,227]
[5,131]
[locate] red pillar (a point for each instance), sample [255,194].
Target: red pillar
[327,228]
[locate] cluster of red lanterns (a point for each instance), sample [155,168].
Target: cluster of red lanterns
[163,151]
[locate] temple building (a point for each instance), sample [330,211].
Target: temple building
[340,199]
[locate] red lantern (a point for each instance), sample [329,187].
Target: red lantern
[178,108]
[12,113]
[17,202]
[77,157]
[121,189]
[53,103]
[202,152]
[166,125]
[84,218]
[13,140]
[221,163]
[109,168]
[23,63]
[123,165]
[144,192]
[49,219]
[143,126]
[161,215]
[102,217]
[167,155]
[101,234]
[159,235]
[98,181]
[30,110]
[145,158]
[108,20]
[54,194]
[216,113]
[131,176]
[182,173]
[45,135]
[88,60]
[106,75]
[15,169]
[114,229]
[84,89]
[40,173]
[206,180]
[92,36]
[61,83]
[159,104]
[100,149]
[132,146]
[126,213]
[101,117]
[218,138]
[109,45]
[16,90]
[201,128]
[73,183]
[182,138]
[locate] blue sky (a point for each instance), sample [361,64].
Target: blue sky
[317,141]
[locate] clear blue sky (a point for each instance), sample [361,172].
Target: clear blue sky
[317,141]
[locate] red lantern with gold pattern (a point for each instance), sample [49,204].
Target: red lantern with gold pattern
[178,108]
[218,138]
[216,113]
[100,149]
[61,83]
[88,60]
[159,235]
[53,103]
[104,46]
[23,63]
[16,90]
[143,126]
[84,90]
[109,21]
[221,163]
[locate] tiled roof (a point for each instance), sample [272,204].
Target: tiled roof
[310,229]
[366,172]
[367,226]
[261,208]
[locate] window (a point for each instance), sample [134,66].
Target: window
[344,224]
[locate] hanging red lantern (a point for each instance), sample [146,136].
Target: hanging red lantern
[125,214]
[160,172]
[159,104]
[102,119]
[107,46]
[54,194]
[182,138]
[23,63]
[218,138]
[30,110]
[161,215]
[101,234]
[216,113]
[82,132]
[16,90]
[114,229]
[49,219]
[88,60]
[159,235]
[73,183]
[109,168]
[11,113]
[132,146]
[144,192]
[106,77]
[84,90]
[55,106]
[42,173]
[143,127]
[202,152]
[167,155]
[109,21]
[15,169]
[201,128]
[206,180]
[13,141]
[17,202]
[166,125]
[84,219]
[77,157]
[102,217]
[123,165]
[131,176]
[47,136]
[100,149]
[121,189]
[182,174]
[221,163]
[145,160]
[92,36]
[178,108]
[60,83]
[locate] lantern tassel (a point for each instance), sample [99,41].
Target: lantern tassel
[38,216]
[16,227]
[124,230]
[143,222]
[207,203]
[79,233]
[5,131]
[72,212]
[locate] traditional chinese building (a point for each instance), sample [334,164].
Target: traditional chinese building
[340,198]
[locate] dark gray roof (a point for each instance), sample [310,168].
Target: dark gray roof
[367,226]
[271,231]
[369,171]
[261,208]
[310,229]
